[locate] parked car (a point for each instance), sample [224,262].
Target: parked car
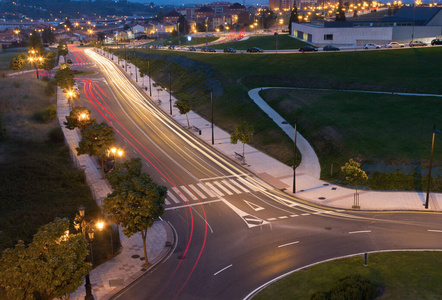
[308,49]
[417,43]
[254,49]
[372,46]
[203,49]
[330,48]
[436,42]
[229,50]
[209,49]
[191,48]
[69,61]
[394,45]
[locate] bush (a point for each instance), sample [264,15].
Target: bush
[45,115]
[353,287]
[56,135]
[50,88]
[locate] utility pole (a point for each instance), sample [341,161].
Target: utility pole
[125,57]
[170,93]
[294,163]
[135,67]
[211,103]
[148,71]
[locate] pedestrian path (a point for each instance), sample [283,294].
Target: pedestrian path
[111,276]
[309,187]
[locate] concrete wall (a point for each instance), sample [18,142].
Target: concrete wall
[421,33]
[437,20]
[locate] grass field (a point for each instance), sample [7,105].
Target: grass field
[361,70]
[400,275]
[6,57]
[265,43]
[184,41]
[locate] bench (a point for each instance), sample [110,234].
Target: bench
[194,128]
[239,155]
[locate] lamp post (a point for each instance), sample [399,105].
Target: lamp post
[80,223]
[170,92]
[148,71]
[125,57]
[295,157]
[136,75]
[431,162]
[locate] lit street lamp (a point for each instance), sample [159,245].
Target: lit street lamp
[431,162]
[80,223]
[295,157]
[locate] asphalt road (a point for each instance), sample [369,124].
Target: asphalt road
[233,231]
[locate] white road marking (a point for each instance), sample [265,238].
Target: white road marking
[197,191]
[271,219]
[223,188]
[294,216]
[147,165]
[231,187]
[283,217]
[288,244]
[222,177]
[222,270]
[205,189]
[254,206]
[172,197]
[190,205]
[305,214]
[239,185]
[179,193]
[434,230]
[361,231]
[166,202]
[253,221]
[185,189]
[218,192]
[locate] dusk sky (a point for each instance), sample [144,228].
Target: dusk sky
[176,2]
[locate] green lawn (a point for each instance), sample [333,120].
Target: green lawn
[400,275]
[264,42]
[184,41]
[5,58]
[404,123]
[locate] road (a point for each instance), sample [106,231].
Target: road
[234,232]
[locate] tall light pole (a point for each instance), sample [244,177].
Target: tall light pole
[80,223]
[136,75]
[148,71]
[170,92]
[431,164]
[211,104]
[295,157]
[125,57]
[207,28]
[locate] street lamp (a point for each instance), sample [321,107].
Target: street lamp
[148,71]
[170,92]
[211,104]
[295,157]
[80,223]
[431,162]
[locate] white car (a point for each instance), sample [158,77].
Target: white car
[372,46]
[394,45]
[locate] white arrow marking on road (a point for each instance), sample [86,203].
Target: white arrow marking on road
[362,231]
[250,220]
[254,206]
[434,230]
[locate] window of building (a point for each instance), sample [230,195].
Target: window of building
[328,37]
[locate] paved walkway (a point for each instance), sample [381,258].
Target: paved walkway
[308,186]
[110,277]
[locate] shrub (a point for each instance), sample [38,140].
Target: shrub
[353,287]
[45,115]
[56,135]
[50,88]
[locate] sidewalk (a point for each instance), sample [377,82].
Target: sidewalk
[113,275]
[308,186]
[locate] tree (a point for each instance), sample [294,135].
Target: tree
[101,37]
[50,267]
[48,36]
[17,62]
[136,200]
[243,133]
[62,49]
[184,107]
[79,117]
[49,62]
[354,175]
[340,13]
[64,77]
[35,43]
[293,16]
[96,140]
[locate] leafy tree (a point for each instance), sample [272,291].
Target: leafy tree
[64,77]
[101,36]
[293,16]
[48,36]
[184,107]
[50,267]
[354,175]
[62,49]
[340,13]
[268,18]
[79,117]
[35,43]
[243,133]
[136,200]
[96,140]
[18,62]
[49,62]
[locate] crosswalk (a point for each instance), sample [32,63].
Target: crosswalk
[210,189]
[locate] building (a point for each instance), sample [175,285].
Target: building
[172,17]
[204,13]
[409,23]
[280,4]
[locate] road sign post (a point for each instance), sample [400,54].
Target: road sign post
[365,257]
